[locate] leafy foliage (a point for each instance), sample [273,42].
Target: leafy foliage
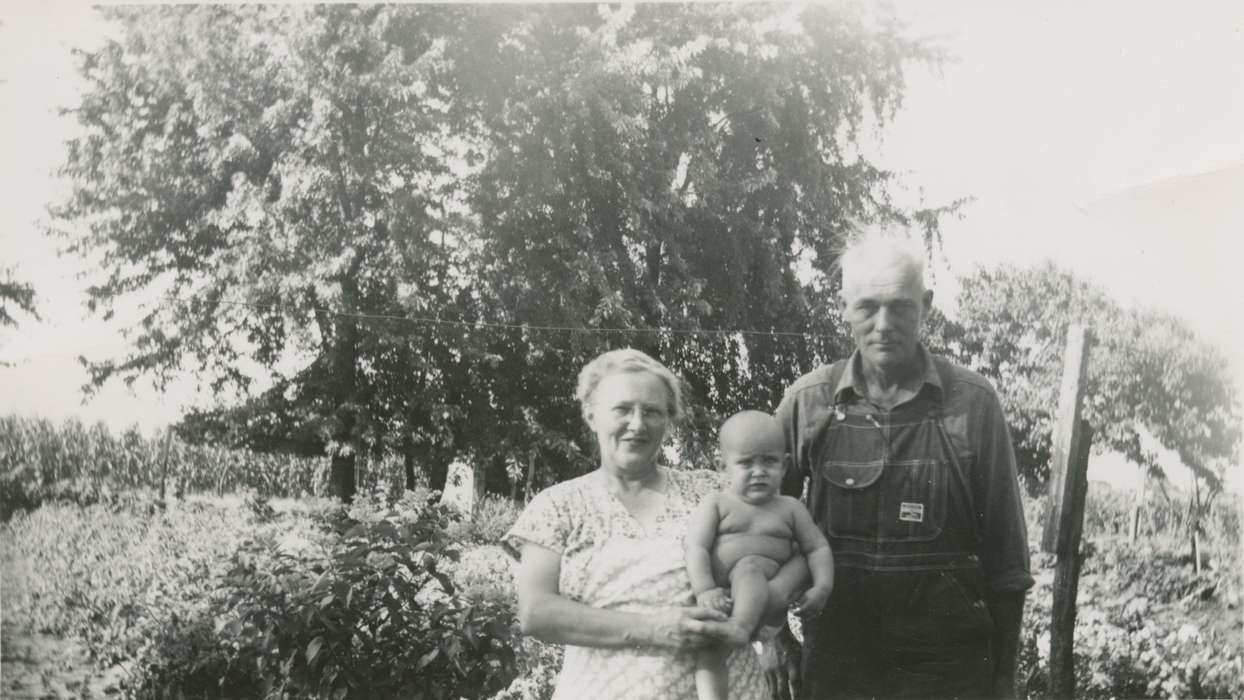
[1148,375]
[376,617]
[299,182]
[20,294]
[112,575]
[187,596]
[312,601]
[43,462]
[1147,624]
[493,517]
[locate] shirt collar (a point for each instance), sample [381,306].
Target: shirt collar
[853,381]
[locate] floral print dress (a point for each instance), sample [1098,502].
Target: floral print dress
[610,561]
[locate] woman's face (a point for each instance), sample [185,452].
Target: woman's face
[629,413]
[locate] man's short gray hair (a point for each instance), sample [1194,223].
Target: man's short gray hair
[869,245]
[627,360]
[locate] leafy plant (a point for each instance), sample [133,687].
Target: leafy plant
[376,616]
[260,508]
[493,516]
[1147,625]
[112,574]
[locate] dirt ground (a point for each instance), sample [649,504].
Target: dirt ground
[42,666]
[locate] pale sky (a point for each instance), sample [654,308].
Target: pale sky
[1051,116]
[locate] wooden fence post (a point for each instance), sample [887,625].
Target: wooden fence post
[1195,525]
[1065,515]
[1067,579]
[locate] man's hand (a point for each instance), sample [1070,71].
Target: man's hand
[714,599]
[812,602]
[1007,610]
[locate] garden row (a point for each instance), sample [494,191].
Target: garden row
[236,598]
[232,596]
[41,461]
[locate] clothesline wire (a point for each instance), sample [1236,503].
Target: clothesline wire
[518,326]
[469,325]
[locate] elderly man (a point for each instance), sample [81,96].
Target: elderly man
[911,474]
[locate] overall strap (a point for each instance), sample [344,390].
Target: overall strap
[835,414]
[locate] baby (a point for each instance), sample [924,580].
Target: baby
[740,537]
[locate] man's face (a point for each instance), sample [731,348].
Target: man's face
[885,303]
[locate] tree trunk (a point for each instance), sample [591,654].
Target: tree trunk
[343,477]
[408,459]
[345,378]
[168,440]
[513,483]
[479,469]
[531,477]
[438,471]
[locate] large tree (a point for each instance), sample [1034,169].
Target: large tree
[1149,373]
[278,176]
[380,211]
[690,168]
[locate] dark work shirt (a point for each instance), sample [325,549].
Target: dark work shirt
[988,520]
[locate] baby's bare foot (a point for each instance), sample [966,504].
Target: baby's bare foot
[736,635]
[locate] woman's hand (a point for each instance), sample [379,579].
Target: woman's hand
[684,629]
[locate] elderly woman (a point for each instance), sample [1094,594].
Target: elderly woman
[601,566]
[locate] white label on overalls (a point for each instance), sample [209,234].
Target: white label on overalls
[911,512]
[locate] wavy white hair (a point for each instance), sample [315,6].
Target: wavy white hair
[626,360]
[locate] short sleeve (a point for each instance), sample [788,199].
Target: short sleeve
[786,415]
[545,521]
[1004,528]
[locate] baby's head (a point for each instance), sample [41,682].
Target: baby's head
[752,455]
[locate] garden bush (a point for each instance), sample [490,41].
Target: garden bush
[492,518]
[376,615]
[1147,626]
[249,596]
[112,574]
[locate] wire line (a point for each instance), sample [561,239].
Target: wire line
[519,326]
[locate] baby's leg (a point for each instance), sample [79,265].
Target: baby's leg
[711,675]
[749,588]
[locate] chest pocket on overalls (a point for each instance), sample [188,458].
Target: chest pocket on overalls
[899,501]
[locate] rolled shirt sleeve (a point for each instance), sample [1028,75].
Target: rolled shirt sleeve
[1000,508]
[787,414]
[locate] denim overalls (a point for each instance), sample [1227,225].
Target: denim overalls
[907,616]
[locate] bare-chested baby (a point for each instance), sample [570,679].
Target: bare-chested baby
[741,536]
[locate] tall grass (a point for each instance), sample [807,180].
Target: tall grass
[1108,513]
[41,460]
